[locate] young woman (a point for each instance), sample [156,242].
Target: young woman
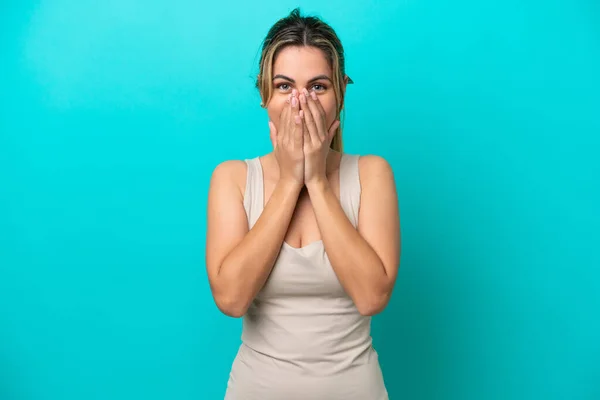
[303,242]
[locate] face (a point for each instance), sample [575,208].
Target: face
[297,68]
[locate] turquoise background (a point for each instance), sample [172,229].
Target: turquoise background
[113,115]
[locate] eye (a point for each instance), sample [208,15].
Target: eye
[283,86]
[319,87]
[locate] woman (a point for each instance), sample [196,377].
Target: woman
[303,242]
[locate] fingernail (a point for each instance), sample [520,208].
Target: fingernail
[302,98]
[294,101]
[301,113]
[305,91]
[294,92]
[313,95]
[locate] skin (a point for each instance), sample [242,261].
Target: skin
[302,199]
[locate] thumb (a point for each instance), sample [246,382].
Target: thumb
[273,134]
[333,128]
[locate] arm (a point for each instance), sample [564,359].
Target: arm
[365,259]
[239,260]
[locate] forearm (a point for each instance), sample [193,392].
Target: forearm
[358,267]
[246,268]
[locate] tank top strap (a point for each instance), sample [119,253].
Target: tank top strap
[350,188]
[254,192]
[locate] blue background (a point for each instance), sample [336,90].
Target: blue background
[113,115]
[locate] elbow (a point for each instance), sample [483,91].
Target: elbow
[231,307]
[230,302]
[374,304]
[228,298]
[233,312]
[368,310]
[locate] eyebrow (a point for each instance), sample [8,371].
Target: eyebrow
[316,78]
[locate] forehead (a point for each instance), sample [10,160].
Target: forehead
[301,62]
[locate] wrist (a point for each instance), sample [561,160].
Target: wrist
[289,185]
[317,185]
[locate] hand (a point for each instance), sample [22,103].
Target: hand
[317,138]
[288,141]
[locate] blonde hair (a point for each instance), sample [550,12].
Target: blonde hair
[296,30]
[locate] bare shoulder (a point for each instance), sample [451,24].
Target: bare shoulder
[232,172]
[230,169]
[374,169]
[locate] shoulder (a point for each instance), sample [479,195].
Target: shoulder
[229,168]
[230,172]
[374,168]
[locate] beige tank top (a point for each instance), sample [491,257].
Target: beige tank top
[302,335]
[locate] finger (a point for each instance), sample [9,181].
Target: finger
[318,114]
[295,103]
[294,110]
[333,129]
[283,125]
[299,131]
[310,122]
[273,134]
[317,102]
[306,139]
[290,123]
